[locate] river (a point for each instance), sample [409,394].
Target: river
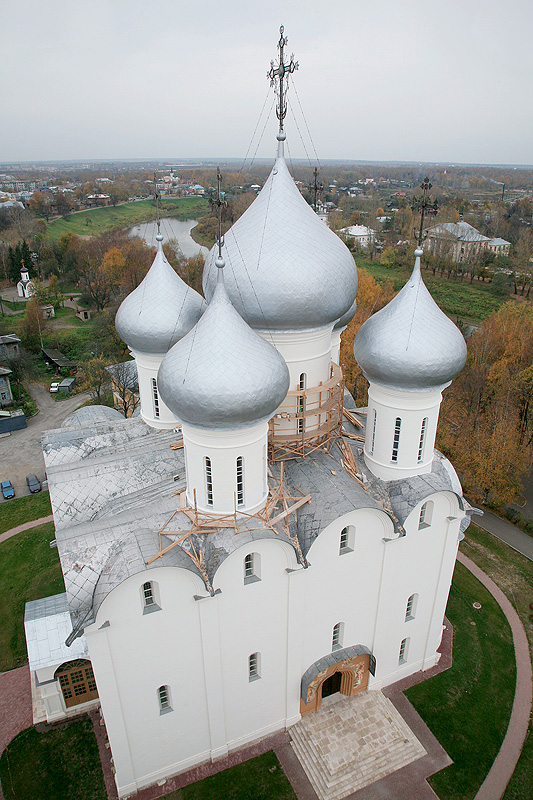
[171,228]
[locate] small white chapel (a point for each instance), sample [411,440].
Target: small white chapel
[250,543]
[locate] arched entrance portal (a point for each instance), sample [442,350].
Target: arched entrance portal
[344,671]
[77,682]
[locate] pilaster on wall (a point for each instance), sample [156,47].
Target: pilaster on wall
[214,686]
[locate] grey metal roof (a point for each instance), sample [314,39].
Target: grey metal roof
[462,231]
[9,338]
[47,623]
[125,373]
[285,269]
[89,415]
[222,374]
[410,344]
[346,317]
[160,311]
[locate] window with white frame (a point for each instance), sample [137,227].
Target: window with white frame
[422,440]
[410,609]
[252,568]
[150,597]
[163,696]
[155,394]
[404,649]
[254,666]
[301,402]
[426,512]
[373,439]
[396,440]
[347,540]
[240,481]
[208,481]
[338,636]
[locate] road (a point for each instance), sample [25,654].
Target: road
[506,532]
[20,453]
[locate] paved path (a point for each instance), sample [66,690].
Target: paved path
[506,532]
[15,704]
[494,785]
[34,523]
[21,452]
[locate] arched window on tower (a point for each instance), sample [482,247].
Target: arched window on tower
[396,440]
[373,438]
[208,482]
[155,394]
[240,481]
[301,402]
[426,512]
[422,440]
[337,636]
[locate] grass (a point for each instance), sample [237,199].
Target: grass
[29,570]
[62,762]
[470,302]
[468,706]
[96,221]
[24,509]
[14,305]
[23,399]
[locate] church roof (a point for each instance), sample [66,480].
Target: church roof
[285,269]
[160,311]
[410,344]
[222,374]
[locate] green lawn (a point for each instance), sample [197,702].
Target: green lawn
[472,302]
[96,221]
[23,509]
[14,305]
[62,763]
[468,706]
[29,570]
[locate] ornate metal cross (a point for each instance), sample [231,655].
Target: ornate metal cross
[424,205]
[316,187]
[156,197]
[276,75]
[218,203]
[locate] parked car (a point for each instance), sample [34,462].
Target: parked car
[7,490]
[34,484]
[54,387]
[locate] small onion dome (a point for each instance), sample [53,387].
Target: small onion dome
[347,317]
[222,374]
[410,344]
[285,269]
[160,311]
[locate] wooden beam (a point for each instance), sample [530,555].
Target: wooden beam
[301,502]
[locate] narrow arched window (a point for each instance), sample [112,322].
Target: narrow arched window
[155,394]
[208,482]
[148,594]
[301,402]
[396,440]
[150,597]
[254,666]
[338,636]
[240,481]
[252,568]
[426,512]
[163,695]
[347,542]
[373,439]
[422,439]
[404,649]
[410,609]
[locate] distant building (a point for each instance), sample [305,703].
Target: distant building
[25,287]
[9,346]
[360,234]
[6,395]
[462,242]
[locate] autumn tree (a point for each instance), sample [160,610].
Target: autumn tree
[96,379]
[41,204]
[33,325]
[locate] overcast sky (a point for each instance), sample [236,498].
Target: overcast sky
[378,79]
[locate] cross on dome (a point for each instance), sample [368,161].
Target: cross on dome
[276,75]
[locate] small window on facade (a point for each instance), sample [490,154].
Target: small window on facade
[252,564]
[426,512]
[163,695]
[208,482]
[150,597]
[338,636]
[254,666]
[404,648]
[347,541]
[301,402]
[240,481]
[156,398]
[410,609]
[396,440]
[373,440]
[422,440]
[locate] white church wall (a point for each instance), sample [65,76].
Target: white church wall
[153,410]
[306,352]
[336,345]
[134,653]
[411,408]
[223,448]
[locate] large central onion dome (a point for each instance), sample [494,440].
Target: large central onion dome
[160,311]
[222,374]
[410,344]
[285,269]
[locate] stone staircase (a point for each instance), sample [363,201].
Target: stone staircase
[352,742]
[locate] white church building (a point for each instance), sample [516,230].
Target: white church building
[244,547]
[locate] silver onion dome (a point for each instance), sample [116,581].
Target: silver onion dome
[160,311]
[346,317]
[285,269]
[222,374]
[410,344]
